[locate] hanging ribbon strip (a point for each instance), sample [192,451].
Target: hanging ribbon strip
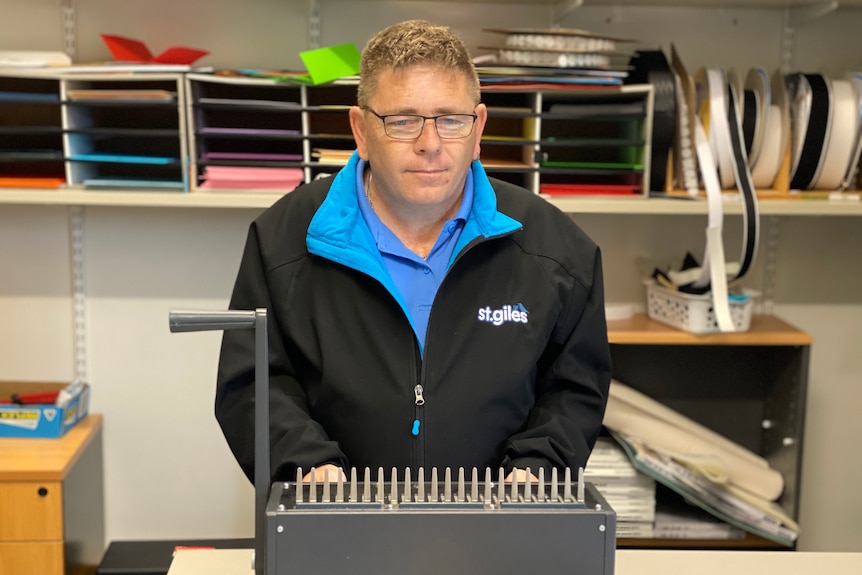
[720,147]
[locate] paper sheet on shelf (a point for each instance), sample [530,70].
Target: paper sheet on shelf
[720,459]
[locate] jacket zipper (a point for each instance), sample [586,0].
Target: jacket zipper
[418,389]
[418,402]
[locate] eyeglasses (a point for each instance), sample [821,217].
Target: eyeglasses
[410,126]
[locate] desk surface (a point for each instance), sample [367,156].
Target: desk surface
[46,459]
[628,562]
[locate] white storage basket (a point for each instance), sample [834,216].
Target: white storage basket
[694,313]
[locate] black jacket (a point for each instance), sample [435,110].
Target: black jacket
[516,365]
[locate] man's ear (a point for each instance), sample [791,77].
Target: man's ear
[358,126]
[481,119]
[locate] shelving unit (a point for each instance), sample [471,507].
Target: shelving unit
[270,136]
[304,132]
[31,143]
[246,123]
[750,387]
[93,131]
[239,125]
[124,132]
[595,143]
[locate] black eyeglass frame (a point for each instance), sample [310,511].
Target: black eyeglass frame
[425,119]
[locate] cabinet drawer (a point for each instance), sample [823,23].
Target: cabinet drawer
[31,511]
[42,558]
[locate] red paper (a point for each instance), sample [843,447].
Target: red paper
[588,189]
[128,50]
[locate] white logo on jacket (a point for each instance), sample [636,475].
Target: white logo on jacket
[508,313]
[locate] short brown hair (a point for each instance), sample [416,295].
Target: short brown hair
[411,43]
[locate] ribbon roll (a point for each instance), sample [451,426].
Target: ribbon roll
[772,150]
[712,96]
[810,117]
[651,67]
[842,136]
[776,135]
[853,167]
[757,84]
[686,163]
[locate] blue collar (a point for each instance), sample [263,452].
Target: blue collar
[339,232]
[373,220]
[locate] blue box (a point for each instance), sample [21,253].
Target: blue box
[42,420]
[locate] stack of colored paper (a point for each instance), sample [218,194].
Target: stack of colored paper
[250,178]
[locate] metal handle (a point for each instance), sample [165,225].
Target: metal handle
[200,320]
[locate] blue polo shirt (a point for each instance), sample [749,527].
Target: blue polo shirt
[416,279]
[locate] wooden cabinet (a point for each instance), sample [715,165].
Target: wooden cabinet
[51,502]
[750,387]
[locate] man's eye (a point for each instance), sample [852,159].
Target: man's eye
[402,121]
[450,121]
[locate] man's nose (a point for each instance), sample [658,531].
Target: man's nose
[428,137]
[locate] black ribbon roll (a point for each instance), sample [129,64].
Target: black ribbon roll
[651,67]
[816,130]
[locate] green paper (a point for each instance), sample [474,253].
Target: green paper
[330,63]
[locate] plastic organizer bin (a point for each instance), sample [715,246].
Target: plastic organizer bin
[694,313]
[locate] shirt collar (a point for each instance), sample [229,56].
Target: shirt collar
[373,220]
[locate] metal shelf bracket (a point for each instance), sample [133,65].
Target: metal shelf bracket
[70,32]
[79,294]
[794,17]
[314,33]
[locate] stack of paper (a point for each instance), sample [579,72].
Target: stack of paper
[24,181]
[332,156]
[230,178]
[721,477]
[630,494]
[675,518]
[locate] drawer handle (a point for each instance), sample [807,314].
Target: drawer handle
[43,491]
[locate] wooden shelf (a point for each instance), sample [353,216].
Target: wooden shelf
[611,206]
[748,542]
[47,459]
[138,199]
[696,3]
[765,330]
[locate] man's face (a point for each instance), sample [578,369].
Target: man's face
[428,171]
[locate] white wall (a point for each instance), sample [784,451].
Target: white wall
[35,287]
[168,470]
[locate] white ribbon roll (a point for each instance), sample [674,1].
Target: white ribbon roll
[842,136]
[771,150]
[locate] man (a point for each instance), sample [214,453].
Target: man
[420,313]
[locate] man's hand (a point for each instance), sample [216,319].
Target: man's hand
[520,475]
[321,472]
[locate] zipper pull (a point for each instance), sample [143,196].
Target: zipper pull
[419,401]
